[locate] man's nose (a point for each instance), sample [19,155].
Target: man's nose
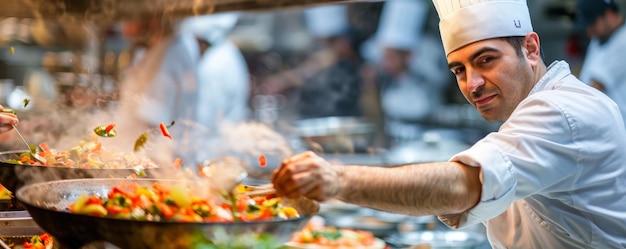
[475,80]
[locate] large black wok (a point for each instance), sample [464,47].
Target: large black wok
[48,202]
[13,176]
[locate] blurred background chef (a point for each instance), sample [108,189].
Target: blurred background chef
[409,66]
[603,63]
[189,73]
[327,82]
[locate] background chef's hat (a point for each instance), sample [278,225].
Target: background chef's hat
[466,21]
[401,23]
[327,21]
[212,28]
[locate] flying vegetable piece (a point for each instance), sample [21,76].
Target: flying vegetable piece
[105,130]
[12,50]
[262,161]
[141,141]
[26,102]
[164,130]
[8,110]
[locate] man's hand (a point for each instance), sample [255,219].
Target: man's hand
[7,120]
[308,175]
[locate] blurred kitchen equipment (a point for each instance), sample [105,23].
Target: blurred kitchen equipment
[18,223]
[107,10]
[437,240]
[371,224]
[47,204]
[433,147]
[336,134]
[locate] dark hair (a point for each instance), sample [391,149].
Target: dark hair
[517,42]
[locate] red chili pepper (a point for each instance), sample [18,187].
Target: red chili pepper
[109,128]
[262,161]
[164,130]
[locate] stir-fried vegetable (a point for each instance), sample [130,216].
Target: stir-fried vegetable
[5,194]
[143,138]
[12,50]
[317,234]
[8,110]
[42,241]
[164,130]
[88,153]
[141,141]
[26,102]
[262,161]
[159,203]
[105,130]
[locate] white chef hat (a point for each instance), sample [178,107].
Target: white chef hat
[401,23]
[213,28]
[327,21]
[466,21]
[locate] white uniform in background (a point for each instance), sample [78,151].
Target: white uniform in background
[408,100]
[175,82]
[605,63]
[222,74]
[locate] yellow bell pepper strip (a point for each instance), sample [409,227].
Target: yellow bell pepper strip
[141,141]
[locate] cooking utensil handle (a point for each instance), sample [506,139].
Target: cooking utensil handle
[20,134]
[4,245]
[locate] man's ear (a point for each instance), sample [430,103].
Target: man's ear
[532,48]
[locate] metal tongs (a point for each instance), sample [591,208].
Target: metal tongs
[35,155]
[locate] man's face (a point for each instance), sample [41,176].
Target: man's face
[600,28]
[492,77]
[395,61]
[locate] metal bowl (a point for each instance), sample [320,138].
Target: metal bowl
[47,203]
[437,239]
[336,134]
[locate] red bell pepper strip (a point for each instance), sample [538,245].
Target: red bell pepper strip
[262,161]
[164,130]
[109,127]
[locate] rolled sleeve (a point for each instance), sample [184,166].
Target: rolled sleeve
[497,178]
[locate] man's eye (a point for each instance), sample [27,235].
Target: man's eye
[458,70]
[485,59]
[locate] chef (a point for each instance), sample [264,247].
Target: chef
[192,75]
[327,81]
[552,176]
[413,73]
[603,65]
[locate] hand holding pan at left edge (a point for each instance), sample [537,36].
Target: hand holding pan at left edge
[8,119]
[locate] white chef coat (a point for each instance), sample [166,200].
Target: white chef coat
[173,82]
[224,85]
[554,175]
[410,99]
[605,63]
[160,87]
